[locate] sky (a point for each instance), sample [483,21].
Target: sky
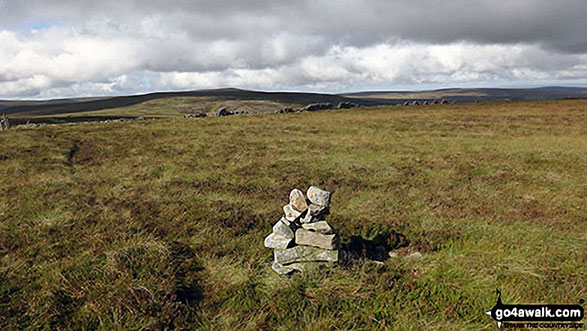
[75,48]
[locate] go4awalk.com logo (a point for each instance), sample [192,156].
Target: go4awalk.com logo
[546,316]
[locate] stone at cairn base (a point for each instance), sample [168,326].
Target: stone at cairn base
[304,254]
[315,239]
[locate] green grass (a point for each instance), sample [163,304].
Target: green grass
[160,224]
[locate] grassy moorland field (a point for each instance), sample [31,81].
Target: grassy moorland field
[179,106]
[160,224]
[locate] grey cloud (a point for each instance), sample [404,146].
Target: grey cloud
[556,24]
[112,46]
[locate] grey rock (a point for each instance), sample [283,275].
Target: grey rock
[297,200]
[393,254]
[222,112]
[318,106]
[346,105]
[290,213]
[195,115]
[304,254]
[282,229]
[320,227]
[277,242]
[315,239]
[315,213]
[318,196]
[285,111]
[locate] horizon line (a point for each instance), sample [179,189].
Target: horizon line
[115,95]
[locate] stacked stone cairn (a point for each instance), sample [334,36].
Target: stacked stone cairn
[303,238]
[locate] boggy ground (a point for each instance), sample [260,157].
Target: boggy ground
[160,224]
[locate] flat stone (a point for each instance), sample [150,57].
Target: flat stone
[315,239]
[297,200]
[277,242]
[222,112]
[320,227]
[304,254]
[318,196]
[290,213]
[283,230]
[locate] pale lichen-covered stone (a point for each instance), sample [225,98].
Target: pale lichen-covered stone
[277,242]
[283,230]
[297,200]
[304,254]
[315,239]
[290,213]
[320,227]
[318,196]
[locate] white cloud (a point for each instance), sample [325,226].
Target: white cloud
[398,65]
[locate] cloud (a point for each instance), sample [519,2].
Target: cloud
[403,64]
[78,47]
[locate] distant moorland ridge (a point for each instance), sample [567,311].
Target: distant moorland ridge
[34,108]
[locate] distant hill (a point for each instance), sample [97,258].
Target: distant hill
[171,104]
[475,94]
[28,108]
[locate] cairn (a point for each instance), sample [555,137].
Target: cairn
[4,124]
[303,237]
